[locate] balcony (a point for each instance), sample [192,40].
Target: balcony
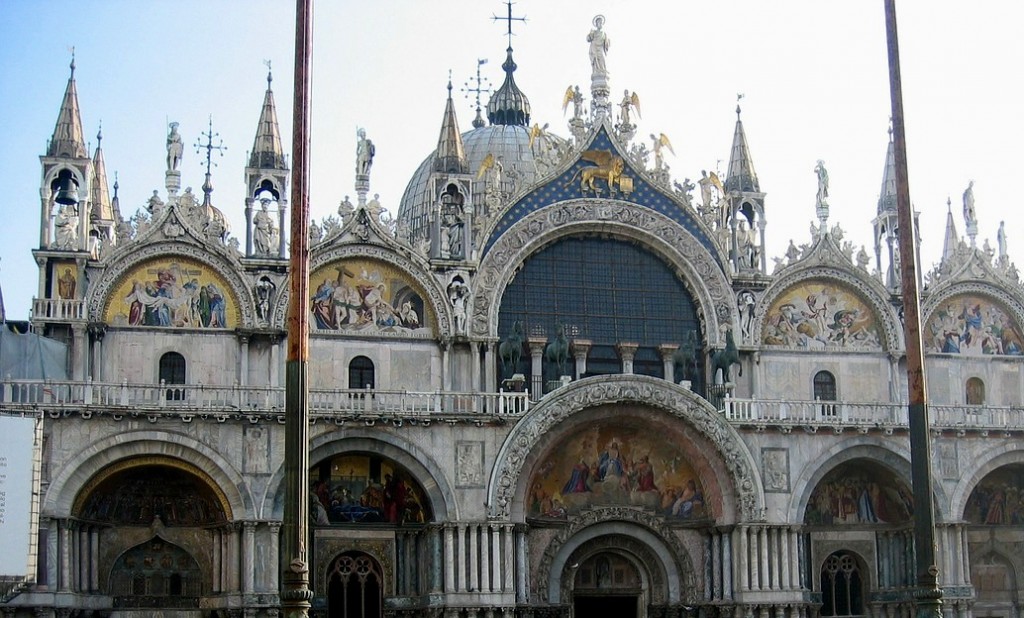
[888,417]
[58,310]
[221,403]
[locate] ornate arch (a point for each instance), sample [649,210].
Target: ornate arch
[637,532]
[989,460]
[429,285]
[125,261]
[867,289]
[859,447]
[514,454]
[427,472]
[143,446]
[935,302]
[696,267]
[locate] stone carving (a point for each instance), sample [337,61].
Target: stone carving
[66,227]
[775,469]
[469,464]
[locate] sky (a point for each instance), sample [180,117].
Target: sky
[814,76]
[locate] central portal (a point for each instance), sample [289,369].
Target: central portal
[610,606]
[607,584]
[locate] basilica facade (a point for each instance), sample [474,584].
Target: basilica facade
[559,382]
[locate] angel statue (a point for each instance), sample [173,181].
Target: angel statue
[537,131]
[491,167]
[706,182]
[574,96]
[628,100]
[660,141]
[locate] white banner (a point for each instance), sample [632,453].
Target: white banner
[18,518]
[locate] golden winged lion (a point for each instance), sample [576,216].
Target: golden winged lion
[606,166]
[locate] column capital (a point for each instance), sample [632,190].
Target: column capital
[626,350]
[536,345]
[667,350]
[581,347]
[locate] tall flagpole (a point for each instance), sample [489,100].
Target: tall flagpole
[294,559]
[927,595]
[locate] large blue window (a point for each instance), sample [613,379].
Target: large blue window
[605,290]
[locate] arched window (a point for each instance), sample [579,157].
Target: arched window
[354,586]
[842,592]
[361,373]
[825,390]
[975,392]
[172,371]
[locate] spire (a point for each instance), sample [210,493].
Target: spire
[887,196]
[741,175]
[68,139]
[951,240]
[99,193]
[508,105]
[266,148]
[451,155]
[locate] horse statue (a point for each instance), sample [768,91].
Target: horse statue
[511,350]
[725,359]
[557,350]
[684,359]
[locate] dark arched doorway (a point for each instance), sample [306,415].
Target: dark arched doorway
[842,585]
[607,584]
[355,587]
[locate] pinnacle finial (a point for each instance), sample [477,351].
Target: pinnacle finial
[72,61]
[270,73]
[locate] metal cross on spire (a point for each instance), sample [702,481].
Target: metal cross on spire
[510,19]
[482,85]
[209,147]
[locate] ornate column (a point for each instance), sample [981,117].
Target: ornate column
[275,552]
[742,562]
[522,585]
[248,226]
[474,558]
[64,583]
[243,366]
[485,556]
[248,556]
[667,350]
[97,331]
[580,350]
[495,558]
[490,377]
[715,588]
[275,355]
[475,348]
[434,576]
[462,558]
[536,365]
[446,371]
[449,559]
[508,537]
[627,351]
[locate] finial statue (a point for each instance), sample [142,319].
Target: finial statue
[1001,239]
[599,44]
[822,174]
[174,148]
[629,100]
[364,153]
[970,216]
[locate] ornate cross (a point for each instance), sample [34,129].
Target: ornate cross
[510,19]
[209,147]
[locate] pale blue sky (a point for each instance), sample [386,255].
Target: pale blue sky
[814,75]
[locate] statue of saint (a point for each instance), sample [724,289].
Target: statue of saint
[970,216]
[599,44]
[174,148]
[66,227]
[822,173]
[364,154]
[264,230]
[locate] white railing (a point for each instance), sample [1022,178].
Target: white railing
[146,398]
[836,413]
[57,309]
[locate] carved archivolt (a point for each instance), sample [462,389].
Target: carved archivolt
[643,390]
[429,285]
[868,290]
[696,266]
[110,277]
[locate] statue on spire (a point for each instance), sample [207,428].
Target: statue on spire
[599,44]
[364,153]
[174,148]
[970,216]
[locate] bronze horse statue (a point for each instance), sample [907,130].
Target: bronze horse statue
[725,359]
[511,350]
[557,350]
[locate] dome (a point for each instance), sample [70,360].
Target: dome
[509,144]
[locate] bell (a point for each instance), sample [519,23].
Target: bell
[67,192]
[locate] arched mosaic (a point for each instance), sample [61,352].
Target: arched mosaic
[172,292]
[365,488]
[859,492]
[973,324]
[998,499]
[818,314]
[617,463]
[136,492]
[368,296]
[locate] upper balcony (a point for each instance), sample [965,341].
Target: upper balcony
[222,403]
[58,310]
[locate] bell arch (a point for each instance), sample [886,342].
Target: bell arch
[742,496]
[697,268]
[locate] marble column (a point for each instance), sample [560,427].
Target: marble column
[248,556]
[243,358]
[667,350]
[462,584]
[274,572]
[536,365]
[522,585]
[485,557]
[508,533]
[449,559]
[627,352]
[580,350]
[64,584]
[476,350]
[474,557]
[490,368]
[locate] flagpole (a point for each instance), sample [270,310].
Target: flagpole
[294,558]
[928,594]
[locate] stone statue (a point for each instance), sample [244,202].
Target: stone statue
[822,173]
[66,227]
[970,217]
[345,209]
[862,258]
[1001,239]
[174,148]
[364,153]
[264,291]
[629,100]
[374,208]
[154,204]
[577,103]
[599,44]
[264,231]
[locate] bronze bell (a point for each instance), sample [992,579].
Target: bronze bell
[67,192]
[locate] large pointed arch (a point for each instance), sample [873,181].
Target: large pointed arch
[697,268]
[744,500]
